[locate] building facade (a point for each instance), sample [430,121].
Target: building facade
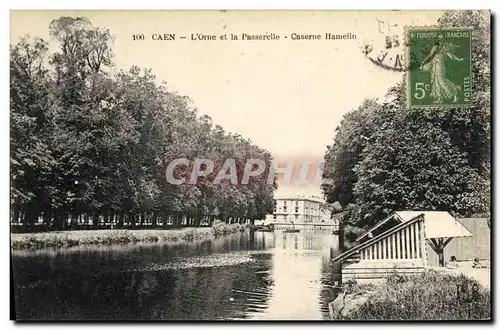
[299,209]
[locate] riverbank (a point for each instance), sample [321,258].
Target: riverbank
[67,239]
[432,295]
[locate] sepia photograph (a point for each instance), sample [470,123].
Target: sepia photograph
[233,165]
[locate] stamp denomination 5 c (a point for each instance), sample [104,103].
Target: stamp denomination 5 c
[440,71]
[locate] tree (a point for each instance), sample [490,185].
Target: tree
[353,134]
[31,159]
[470,128]
[82,94]
[89,145]
[412,164]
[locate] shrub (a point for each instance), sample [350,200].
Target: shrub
[428,296]
[189,235]
[220,228]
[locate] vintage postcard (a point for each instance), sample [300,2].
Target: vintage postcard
[250,165]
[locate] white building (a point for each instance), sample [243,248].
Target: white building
[299,209]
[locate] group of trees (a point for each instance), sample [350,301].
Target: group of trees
[90,144]
[386,157]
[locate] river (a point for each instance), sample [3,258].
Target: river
[260,275]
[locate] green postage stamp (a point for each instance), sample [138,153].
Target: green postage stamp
[440,71]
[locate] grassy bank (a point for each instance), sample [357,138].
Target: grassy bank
[65,239]
[431,295]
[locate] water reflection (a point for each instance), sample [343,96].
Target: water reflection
[246,276]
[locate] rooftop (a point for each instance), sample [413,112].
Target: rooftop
[311,198]
[437,224]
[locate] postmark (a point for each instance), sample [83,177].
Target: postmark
[439,68]
[387,51]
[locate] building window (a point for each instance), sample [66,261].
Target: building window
[285,217]
[296,202]
[296,209]
[274,216]
[296,216]
[284,208]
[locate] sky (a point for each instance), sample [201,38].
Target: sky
[287,96]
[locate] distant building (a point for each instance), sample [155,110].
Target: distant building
[299,209]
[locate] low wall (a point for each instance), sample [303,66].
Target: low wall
[372,270]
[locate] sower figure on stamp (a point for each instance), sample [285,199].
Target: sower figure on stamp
[441,87]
